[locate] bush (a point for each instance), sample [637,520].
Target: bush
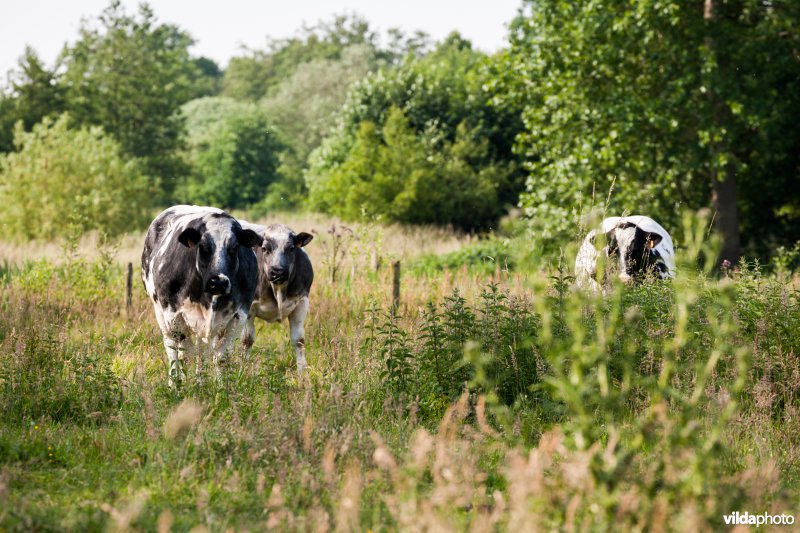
[61,176]
[394,174]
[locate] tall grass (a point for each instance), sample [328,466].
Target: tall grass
[490,399]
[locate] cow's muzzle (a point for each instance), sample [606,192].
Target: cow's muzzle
[217,285]
[278,275]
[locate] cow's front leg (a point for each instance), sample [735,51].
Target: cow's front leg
[177,345]
[297,332]
[249,334]
[223,343]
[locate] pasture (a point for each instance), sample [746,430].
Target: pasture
[494,398]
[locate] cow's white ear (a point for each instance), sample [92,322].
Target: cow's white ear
[249,238]
[190,237]
[302,238]
[653,239]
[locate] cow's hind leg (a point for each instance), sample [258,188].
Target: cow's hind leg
[297,332]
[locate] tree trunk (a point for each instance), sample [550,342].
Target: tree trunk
[724,200]
[723,187]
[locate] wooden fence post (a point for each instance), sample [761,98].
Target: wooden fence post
[395,285]
[129,289]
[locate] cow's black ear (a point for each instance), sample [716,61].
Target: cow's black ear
[190,237]
[653,239]
[249,238]
[302,238]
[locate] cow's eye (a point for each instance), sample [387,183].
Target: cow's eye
[290,248]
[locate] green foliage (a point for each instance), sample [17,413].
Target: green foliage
[255,75]
[236,165]
[233,150]
[61,176]
[397,175]
[207,79]
[302,107]
[130,75]
[485,256]
[48,379]
[657,102]
[419,144]
[34,94]
[436,368]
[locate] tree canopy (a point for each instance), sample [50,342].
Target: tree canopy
[130,75]
[660,106]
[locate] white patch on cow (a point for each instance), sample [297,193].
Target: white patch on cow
[149,284]
[181,217]
[586,262]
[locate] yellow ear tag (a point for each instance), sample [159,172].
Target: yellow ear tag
[650,243]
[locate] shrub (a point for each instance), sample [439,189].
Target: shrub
[394,174]
[60,176]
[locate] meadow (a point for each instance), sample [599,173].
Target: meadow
[495,397]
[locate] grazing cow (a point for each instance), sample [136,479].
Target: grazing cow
[284,281]
[200,272]
[638,245]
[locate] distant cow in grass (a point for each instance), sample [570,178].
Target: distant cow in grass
[200,272]
[635,246]
[285,276]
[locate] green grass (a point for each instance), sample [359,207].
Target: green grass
[509,402]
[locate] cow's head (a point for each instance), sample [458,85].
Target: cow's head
[635,251]
[281,246]
[217,240]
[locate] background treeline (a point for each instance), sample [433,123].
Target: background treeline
[653,107]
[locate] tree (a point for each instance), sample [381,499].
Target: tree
[207,80]
[395,174]
[303,109]
[443,99]
[130,75]
[257,73]
[34,94]
[60,176]
[671,104]
[235,164]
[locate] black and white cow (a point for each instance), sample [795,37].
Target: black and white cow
[200,271]
[636,246]
[285,276]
